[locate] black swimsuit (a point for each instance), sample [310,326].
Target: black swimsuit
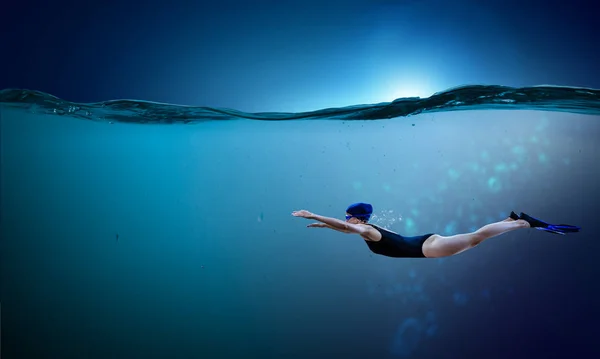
[397,246]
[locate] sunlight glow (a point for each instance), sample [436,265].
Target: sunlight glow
[407,85]
[409,89]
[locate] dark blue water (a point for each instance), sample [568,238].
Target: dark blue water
[173,241]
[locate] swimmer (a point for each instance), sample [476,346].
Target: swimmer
[387,243]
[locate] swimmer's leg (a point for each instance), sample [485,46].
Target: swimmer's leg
[443,246]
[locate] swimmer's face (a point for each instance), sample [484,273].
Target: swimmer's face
[353,220]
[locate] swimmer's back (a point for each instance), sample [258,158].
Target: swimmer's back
[397,246]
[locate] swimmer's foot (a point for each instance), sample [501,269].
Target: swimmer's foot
[513,217]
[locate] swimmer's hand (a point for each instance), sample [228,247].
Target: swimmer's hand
[317,225]
[303,213]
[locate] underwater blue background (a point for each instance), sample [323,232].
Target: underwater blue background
[132,240]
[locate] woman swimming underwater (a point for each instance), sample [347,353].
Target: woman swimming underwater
[387,243]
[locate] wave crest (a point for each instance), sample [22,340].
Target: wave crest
[471,97]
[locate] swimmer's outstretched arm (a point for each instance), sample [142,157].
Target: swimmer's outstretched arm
[332,223]
[323,225]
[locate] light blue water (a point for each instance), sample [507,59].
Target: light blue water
[127,240]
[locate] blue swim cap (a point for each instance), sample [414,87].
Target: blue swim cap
[360,210]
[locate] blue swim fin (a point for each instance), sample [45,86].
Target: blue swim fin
[543,226]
